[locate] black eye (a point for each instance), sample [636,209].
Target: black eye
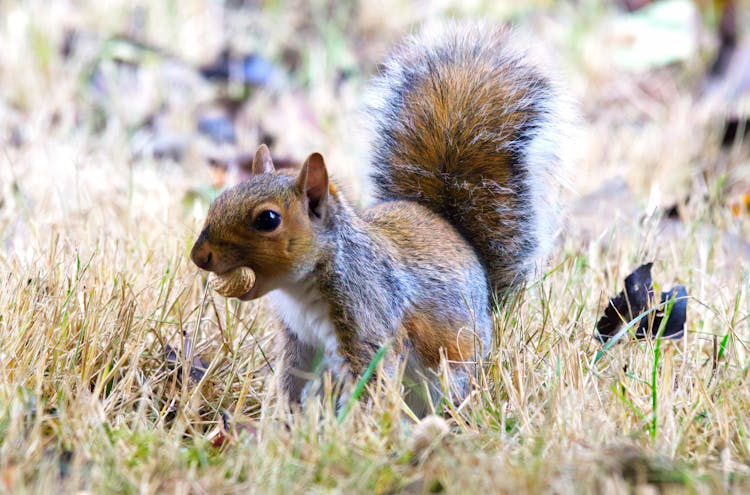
[267,221]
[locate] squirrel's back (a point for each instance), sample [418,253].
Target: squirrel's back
[468,126]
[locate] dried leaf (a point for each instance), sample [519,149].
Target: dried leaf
[637,298]
[197,365]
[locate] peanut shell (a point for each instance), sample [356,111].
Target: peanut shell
[427,434]
[233,283]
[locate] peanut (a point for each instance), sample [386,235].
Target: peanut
[233,283]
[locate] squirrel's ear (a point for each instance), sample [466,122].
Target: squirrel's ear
[313,182]
[262,163]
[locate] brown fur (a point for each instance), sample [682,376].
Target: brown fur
[429,338]
[227,234]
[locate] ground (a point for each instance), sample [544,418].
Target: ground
[121,373]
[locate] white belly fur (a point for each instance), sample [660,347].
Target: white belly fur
[306,314]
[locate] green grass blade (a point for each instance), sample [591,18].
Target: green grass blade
[655,366]
[362,382]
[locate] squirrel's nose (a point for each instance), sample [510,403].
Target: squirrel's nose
[203,260]
[201,253]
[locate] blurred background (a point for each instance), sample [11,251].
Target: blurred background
[120,115]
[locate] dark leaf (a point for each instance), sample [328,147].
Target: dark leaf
[197,365]
[256,70]
[250,69]
[727,34]
[633,5]
[735,129]
[675,326]
[628,303]
[219,128]
[637,298]
[219,69]
[68,46]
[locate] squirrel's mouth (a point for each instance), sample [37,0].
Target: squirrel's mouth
[251,294]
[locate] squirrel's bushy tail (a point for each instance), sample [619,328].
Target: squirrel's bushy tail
[468,126]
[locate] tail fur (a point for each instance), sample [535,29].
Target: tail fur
[468,126]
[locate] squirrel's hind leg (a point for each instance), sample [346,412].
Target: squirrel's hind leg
[297,363]
[426,389]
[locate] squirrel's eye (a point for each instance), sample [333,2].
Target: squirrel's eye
[267,221]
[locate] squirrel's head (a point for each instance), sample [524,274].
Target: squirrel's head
[267,223]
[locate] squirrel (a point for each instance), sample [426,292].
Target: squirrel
[466,167]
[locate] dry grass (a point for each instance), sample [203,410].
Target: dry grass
[97,284]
